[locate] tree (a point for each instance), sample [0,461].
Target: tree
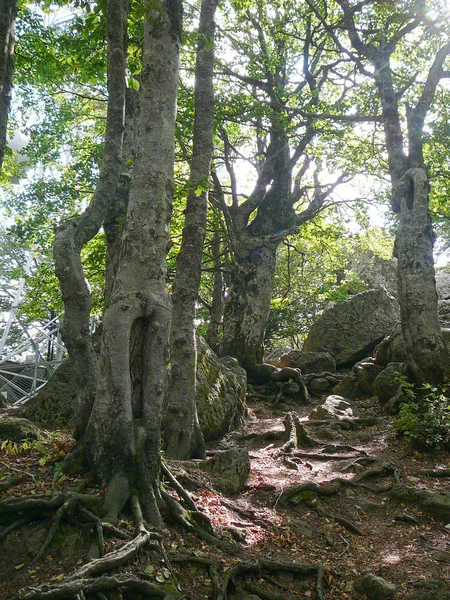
[278,96]
[8,13]
[183,435]
[123,434]
[378,33]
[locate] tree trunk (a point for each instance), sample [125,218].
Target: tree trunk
[8,12]
[427,354]
[247,304]
[183,436]
[123,435]
[73,234]
[212,334]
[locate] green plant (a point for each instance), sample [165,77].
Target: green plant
[425,416]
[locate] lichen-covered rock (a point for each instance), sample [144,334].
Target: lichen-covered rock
[221,389]
[231,469]
[372,587]
[350,330]
[17,430]
[334,407]
[430,589]
[386,383]
[55,405]
[311,362]
[392,348]
[319,385]
[348,387]
[366,371]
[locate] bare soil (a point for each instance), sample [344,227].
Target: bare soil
[360,528]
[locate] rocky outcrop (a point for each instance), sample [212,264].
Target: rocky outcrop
[55,405]
[310,362]
[350,330]
[372,587]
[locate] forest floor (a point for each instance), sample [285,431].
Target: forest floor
[355,526]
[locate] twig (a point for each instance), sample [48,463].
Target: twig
[17,470]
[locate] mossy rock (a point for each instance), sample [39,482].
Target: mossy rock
[17,430]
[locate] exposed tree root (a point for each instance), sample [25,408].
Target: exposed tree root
[296,434]
[320,456]
[80,587]
[437,505]
[9,482]
[118,557]
[256,568]
[68,508]
[45,503]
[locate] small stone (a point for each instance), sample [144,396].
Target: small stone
[373,587]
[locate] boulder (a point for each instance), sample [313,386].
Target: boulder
[334,407]
[366,371]
[311,362]
[348,387]
[426,589]
[350,330]
[221,389]
[372,587]
[386,383]
[392,348]
[231,469]
[15,429]
[55,405]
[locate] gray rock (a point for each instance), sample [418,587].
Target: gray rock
[392,348]
[386,385]
[231,469]
[319,386]
[350,330]
[430,589]
[373,587]
[311,362]
[17,430]
[334,407]
[221,389]
[55,405]
[325,433]
[366,371]
[348,387]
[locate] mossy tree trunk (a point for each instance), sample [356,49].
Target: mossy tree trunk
[427,354]
[8,13]
[183,436]
[122,440]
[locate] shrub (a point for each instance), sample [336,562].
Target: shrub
[425,417]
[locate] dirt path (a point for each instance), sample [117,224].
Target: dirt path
[330,506]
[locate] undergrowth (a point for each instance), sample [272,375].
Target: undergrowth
[425,416]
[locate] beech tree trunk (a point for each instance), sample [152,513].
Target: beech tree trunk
[8,13]
[73,234]
[427,355]
[123,435]
[247,305]
[183,435]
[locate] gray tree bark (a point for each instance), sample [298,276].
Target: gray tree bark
[73,234]
[123,435]
[8,13]
[427,354]
[183,435]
